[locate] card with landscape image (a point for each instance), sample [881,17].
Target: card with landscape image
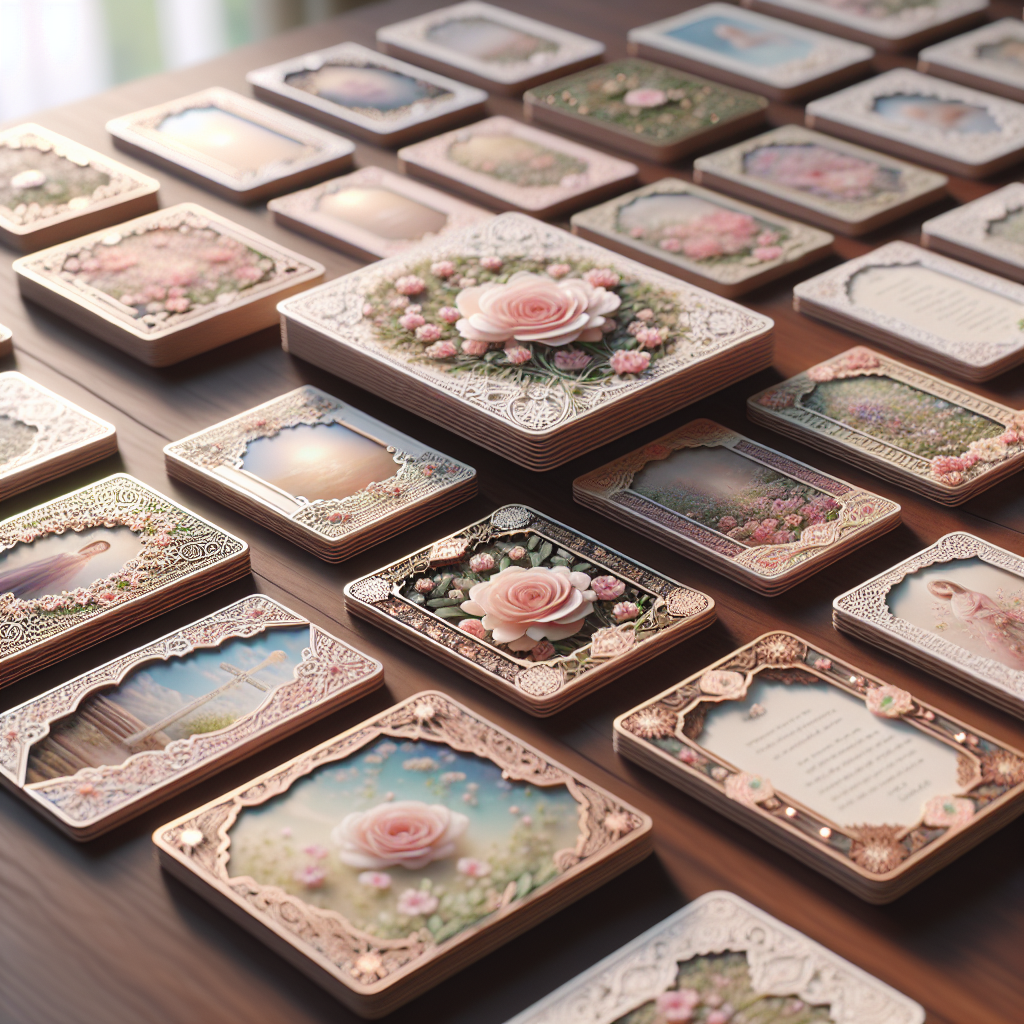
[989,58]
[111,743]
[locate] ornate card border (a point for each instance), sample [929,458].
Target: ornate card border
[140,129]
[176,545]
[783,402]
[329,667]
[60,425]
[421,474]
[830,54]
[860,508]
[831,289]
[782,962]
[273,79]
[728,163]
[600,170]
[673,605]
[968,225]
[125,182]
[801,237]
[715,325]
[868,603]
[303,206]
[960,52]
[989,774]
[46,268]
[854,107]
[200,843]
[411,35]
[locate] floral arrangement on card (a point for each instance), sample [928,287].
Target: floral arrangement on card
[986,771]
[933,429]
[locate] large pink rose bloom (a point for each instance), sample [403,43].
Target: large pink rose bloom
[522,607]
[405,833]
[535,308]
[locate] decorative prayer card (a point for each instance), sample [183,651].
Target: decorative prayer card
[738,507]
[819,178]
[53,189]
[319,472]
[167,286]
[899,423]
[354,89]
[489,46]
[854,776]
[703,237]
[392,856]
[990,58]
[43,436]
[530,608]
[722,955]
[742,48]
[98,560]
[949,126]
[235,146]
[110,744]
[372,213]
[956,609]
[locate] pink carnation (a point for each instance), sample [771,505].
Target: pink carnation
[425,586]
[571,359]
[793,520]
[177,305]
[649,337]
[518,354]
[441,350]
[410,285]
[702,247]
[449,314]
[601,277]
[782,537]
[945,464]
[767,252]
[474,627]
[518,553]
[727,523]
[443,268]
[474,348]
[557,270]
[767,238]
[491,263]
[411,321]
[624,611]
[428,332]
[483,562]
[607,588]
[629,361]
[677,1006]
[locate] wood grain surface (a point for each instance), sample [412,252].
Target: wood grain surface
[97,934]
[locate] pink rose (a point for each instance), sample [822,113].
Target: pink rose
[443,268]
[624,611]
[425,586]
[491,263]
[410,285]
[821,374]
[888,701]
[441,350]
[474,627]
[416,902]
[571,359]
[649,337]
[531,308]
[518,553]
[375,880]
[677,1007]
[524,606]
[727,523]
[822,664]
[518,354]
[543,651]
[449,314]
[601,277]
[557,270]
[629,361]
[406,833]
[645,98]
[474,348]
[411,321]
[767,238]
[177,305]
[607,588]
[482,562]
[428,332]
[767,252]
[472,867]
[702,247]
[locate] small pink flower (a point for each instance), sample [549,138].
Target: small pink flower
[727,523]
[177,305]
[670,245]
[649,337]
[607,588]
[441,350]
[602,277]
[375,879]
[767,252]
[688,756]
[428,332]
[425,586]
[645,98]
[677,1006]
[399,302]
[472,867]
[316,851]
[414,902]
[702,247]
[571,359]
[491,263]
[410,285]
[482,562]
[557,270]
[443,268]
[474,627]
[793,520]
[368,309]
[717,1017]
[474,348]
[629,361]
[767,238]
[449,314]
[624,611]
[518,354]
[543,651]
[312,876]
[823,664]
[411,321]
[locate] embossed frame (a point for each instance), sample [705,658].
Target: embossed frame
[959,55]
[94,800]
[782,962]
[610,486]
[373,976]
[870,857]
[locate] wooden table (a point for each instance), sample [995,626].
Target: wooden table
[97,934]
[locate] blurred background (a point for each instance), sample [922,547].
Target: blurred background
[57,51]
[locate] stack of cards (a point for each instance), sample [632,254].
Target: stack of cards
[321,473]
[852,775]
[528,341]
[372,213]
[722,951]
[510,166]
[398,853]
[956,609]
[908,427]
[43,436]
[702,491]
[701,236]
[989,58]
[98,561]
[819,178]
[489,46]
[899,25]
[777,58]
[964,321]
[652,111]
[929,119]
[89,755]
[988,232]
[530,608]
[358,91]
[53,189]
[234,146]
[169,285]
